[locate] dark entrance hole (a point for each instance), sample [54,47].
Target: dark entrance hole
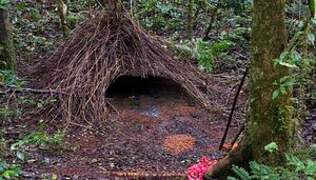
[128,86]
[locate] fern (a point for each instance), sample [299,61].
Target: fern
[296,168]
[241,173]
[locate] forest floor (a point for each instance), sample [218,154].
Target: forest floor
[156,131]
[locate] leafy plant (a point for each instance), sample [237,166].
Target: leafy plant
[8,78]
[272,147]
[206,53]
[4,4]
[39,138]
[9,171]
[159,15]
[296,168]
[203,53]
[6,112]
[284,86]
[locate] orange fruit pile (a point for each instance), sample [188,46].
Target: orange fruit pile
[179,143]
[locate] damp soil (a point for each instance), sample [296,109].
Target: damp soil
[155,130]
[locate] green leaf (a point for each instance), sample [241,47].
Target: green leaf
[311,38]
[288,65]
[231,178]
[272,147]
[4,4]
[241,172]
[310,169]
[282,90]
[312,8]
[275,94]
[20,155]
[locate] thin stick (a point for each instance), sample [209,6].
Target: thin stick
[236,137]
[233,109]
[30,90]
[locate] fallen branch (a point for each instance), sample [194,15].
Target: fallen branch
[33,91]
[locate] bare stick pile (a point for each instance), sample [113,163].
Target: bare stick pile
[104,48]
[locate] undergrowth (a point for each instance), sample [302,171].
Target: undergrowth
[41,139]
[299,165]
[9,171]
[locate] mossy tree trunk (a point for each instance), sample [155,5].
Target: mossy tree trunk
[268,120]
[7,51]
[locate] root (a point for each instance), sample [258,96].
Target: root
[239,156]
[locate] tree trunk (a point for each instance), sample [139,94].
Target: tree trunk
[190,19]
[62,11]
[210,24]
[111,4]
[269,120]
[7,51]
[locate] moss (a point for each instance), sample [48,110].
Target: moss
[7,51]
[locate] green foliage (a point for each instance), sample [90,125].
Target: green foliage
[73,18]
[35,24]
[204,52]
[284,86]
[79,5]
[296,168]
[4,4]
[220,47]
[159,15]
[8,78]
[9,171]
[300,63]
[272,147]
[312,8]
[6,112]
[39,138]
[238,6]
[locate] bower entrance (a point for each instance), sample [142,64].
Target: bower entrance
[135,87]
[149,97]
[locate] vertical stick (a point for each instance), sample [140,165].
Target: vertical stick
[233,109]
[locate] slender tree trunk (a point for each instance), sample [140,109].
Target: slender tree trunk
[190,20]
[111,3]
[131,7]
[62,11]
[7,51]
[210,24]
[269,120]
